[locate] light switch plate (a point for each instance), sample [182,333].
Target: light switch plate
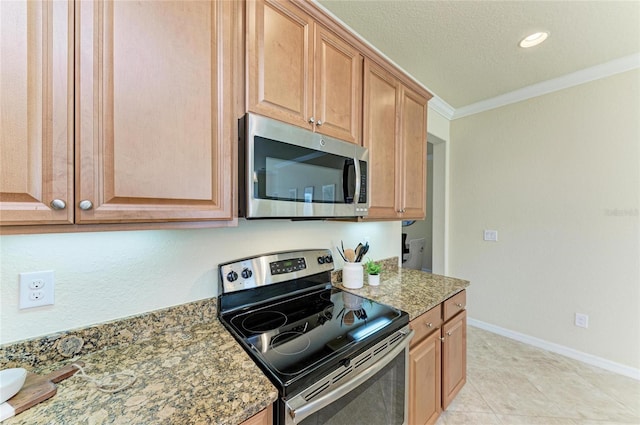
[491,235]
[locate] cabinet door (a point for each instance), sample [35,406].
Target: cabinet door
[280,61]
[152,97]
[36,123]
[413,167]
[381,108]
[424,381]
[454,357]
[338,87]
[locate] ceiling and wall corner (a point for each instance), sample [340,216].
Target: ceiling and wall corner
[466,52]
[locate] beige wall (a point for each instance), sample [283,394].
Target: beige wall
[108,275]
[558,177]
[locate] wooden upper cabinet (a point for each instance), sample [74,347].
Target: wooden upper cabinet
[301,73]
[338,87]
[280,61]
[153,106]
[380,109]
[395,132]
[36,123]
[413,133]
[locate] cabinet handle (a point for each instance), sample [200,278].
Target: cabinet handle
[442,338]
[429,324]
[459,305]
[85,205]
[319,123]
[312,120]
[58,204]
[449,333]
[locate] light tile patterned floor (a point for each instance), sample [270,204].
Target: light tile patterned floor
[511,383]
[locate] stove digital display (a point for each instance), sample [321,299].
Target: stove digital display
[287,266]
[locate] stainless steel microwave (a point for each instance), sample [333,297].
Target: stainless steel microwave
[289,172]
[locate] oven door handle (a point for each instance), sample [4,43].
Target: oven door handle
[300,413]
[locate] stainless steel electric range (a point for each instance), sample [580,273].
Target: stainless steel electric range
[335,357]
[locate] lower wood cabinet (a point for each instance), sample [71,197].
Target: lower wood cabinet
[263,417]
[425,380]
[437,360]
[454,357]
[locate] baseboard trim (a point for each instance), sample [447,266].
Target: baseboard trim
[559,349]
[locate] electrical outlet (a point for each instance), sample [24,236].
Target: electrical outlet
[36,289]
[490,235]
[582,320]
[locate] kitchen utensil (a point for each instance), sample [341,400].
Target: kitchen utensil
[36,388]
[357,250]
[350,254]
[341,254]
[11,380]
[362,252]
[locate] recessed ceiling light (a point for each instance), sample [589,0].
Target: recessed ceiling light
[534,39]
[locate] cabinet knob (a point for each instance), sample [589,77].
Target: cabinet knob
[85,205]
[442,338]
[459,305]
[429,324]
[58,204]
[312,120]
[319,123]
[449,333]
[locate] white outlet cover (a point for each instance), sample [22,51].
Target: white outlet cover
[44,278]
[490,235]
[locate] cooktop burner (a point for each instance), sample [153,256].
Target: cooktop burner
[311,328]
[295,324]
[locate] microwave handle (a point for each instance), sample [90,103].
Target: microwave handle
[356,167]
[299,414]
[348,163]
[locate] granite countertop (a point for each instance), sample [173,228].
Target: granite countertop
[413,291]
[191,375]
[189,368]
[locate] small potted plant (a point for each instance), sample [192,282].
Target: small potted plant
[373,270]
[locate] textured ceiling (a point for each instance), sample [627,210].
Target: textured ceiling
[467,51]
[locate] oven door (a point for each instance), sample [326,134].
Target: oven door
[377,395]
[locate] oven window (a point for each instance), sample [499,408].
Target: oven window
[379,401]
[283,171]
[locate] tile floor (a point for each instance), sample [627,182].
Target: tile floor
[511,383]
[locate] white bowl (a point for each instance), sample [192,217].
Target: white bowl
[11,380]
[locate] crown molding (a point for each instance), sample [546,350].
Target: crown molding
[442,107]
[617,66]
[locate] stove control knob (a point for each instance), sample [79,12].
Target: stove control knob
[232,276]
[328,259]
[320,260]
[246,273]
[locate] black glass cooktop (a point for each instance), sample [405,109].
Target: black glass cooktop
[291,337]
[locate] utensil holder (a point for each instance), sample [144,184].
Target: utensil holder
[352,275]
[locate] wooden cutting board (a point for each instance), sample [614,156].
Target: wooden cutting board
[38,388]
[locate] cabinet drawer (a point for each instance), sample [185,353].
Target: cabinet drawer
[454,305]
[426,323]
